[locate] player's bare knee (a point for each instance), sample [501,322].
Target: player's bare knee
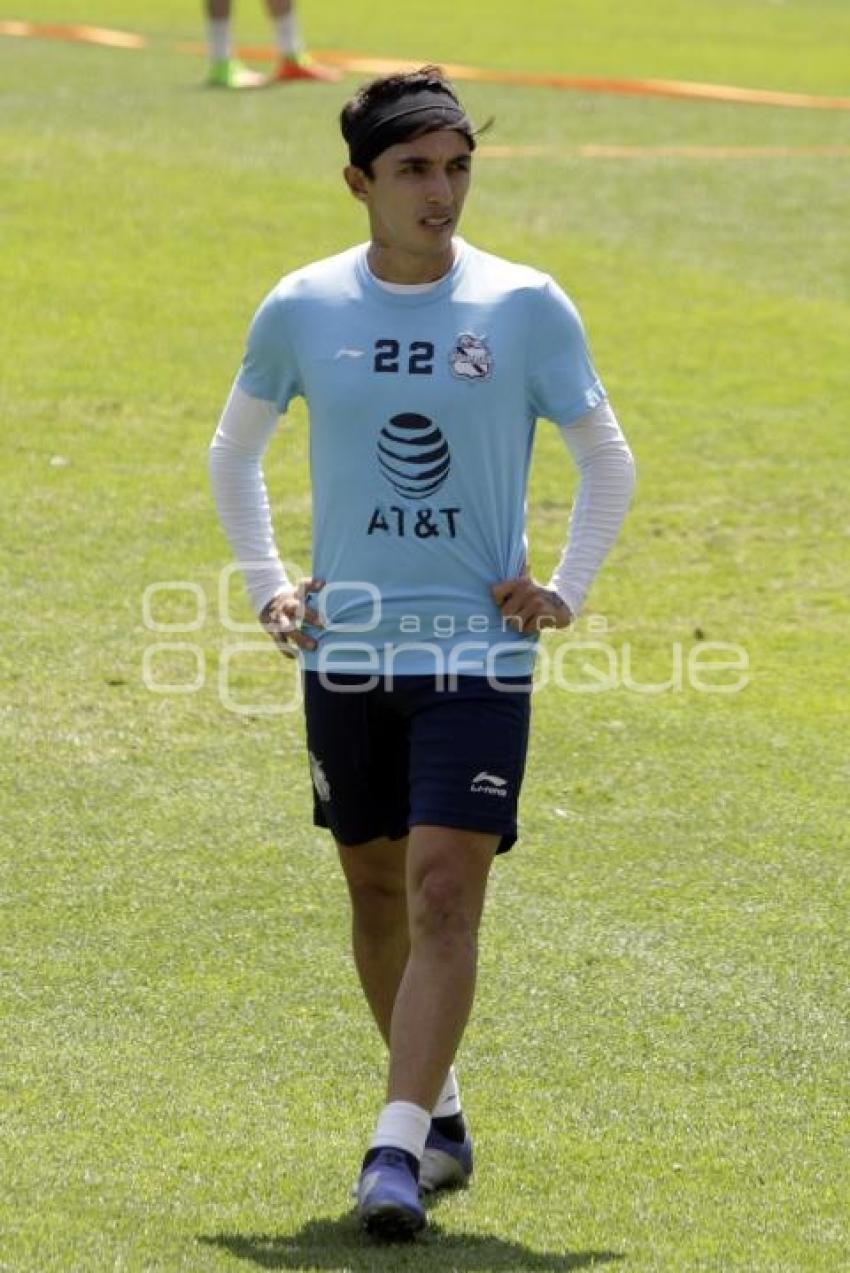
[440,911]
[378,902]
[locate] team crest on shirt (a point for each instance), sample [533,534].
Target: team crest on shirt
[470,358]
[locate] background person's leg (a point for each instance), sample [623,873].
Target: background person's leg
[293,62]
[285,22]
[225,70]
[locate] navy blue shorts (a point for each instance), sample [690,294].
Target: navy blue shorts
[388,756]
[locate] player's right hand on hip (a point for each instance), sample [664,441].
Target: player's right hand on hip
[284,615]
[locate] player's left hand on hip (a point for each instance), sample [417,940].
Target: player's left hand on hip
[529,606]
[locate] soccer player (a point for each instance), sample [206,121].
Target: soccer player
[226,71]
[425,364]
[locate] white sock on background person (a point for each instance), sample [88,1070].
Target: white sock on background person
[288,35]
[448,1102]
[218,39]
[402,1125]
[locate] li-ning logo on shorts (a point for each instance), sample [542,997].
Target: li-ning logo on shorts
[320,781]
[413,455]
[488,785]
[471,358]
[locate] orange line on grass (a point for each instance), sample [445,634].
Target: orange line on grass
[363,65]
[597,84]
[81,34]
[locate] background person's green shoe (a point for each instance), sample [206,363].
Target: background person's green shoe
[231,73]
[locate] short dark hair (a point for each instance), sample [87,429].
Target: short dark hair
[361,118]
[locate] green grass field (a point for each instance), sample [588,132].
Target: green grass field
[657,1068]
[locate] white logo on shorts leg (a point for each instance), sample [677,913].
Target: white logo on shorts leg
[488,784]
[320,781]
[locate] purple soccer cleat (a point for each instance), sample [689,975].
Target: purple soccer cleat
[388,1198]
[446,1164]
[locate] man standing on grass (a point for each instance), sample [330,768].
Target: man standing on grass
[425,364]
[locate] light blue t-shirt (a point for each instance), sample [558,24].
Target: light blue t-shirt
[422,411]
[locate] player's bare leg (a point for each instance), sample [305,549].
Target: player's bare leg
[447,873]
[375,874]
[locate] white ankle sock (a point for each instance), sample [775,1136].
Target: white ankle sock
[448,1102]
[404,1126]
[218,39]
[288,36]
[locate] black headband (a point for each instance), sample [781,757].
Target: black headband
[392,122]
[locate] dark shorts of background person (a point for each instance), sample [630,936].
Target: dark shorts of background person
[389,756]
